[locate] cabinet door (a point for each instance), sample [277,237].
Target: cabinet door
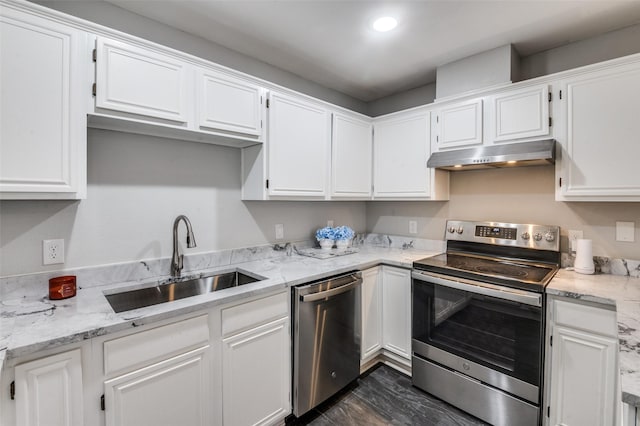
[49,391]
[229,104]
[176,391]
[256,376]
[299,144]
[583,378]
[401,151]
[459,125]
[43,120]
[140,81]
[396,310]
[351,152]
[371,313]
[522,113]
[600,152]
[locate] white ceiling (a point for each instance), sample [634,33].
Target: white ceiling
[331,42]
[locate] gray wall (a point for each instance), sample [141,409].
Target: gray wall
[137,185]
[521,195]
[112,16]
[611,45]
[410,98]
[614,44]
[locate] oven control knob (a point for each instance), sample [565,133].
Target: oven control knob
[526,236]
[537,236]
[451,229]
[459,230]
[549,236]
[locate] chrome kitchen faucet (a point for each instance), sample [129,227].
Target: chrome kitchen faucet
[176,259]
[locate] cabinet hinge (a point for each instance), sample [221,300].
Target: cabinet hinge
[560,182]
[267,103]
[93,89]
[548,411]
[550,96]
[267,183]
[12,390]
[560,94]
[94,55]
[437,118]
[260,100]
[437,138]
[550,122]
[102,402]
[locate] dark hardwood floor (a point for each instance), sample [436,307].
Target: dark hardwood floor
[385,397]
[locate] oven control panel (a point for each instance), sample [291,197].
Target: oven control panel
[542,237]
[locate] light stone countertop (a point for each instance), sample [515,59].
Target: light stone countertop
[623,293]
[33,323]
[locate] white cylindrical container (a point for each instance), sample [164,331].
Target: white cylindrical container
[584,257]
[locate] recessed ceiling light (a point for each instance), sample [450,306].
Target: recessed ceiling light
[384,24]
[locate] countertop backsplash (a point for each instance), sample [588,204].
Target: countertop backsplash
[149,270]
[608,265]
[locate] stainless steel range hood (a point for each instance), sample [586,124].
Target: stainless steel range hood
[535,153]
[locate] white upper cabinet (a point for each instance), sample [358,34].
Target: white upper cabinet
[351,157]
[43,120]
[600,147]
[141,81]
[229,104]
[517,114]
[299,146]
[459,125]
[401,150]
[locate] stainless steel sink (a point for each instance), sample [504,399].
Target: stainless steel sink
[148,296]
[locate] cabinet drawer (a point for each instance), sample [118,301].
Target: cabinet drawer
[585,317]
[145,347]
[248,315]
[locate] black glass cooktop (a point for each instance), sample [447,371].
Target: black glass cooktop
[508,272]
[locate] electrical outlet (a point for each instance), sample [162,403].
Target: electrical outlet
[573,236]
[279,231]
[413,227]
[625,231]
[52,252]
[330,223]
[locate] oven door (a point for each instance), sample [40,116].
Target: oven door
[488,332]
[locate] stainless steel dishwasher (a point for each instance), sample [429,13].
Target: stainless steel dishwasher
[326,339]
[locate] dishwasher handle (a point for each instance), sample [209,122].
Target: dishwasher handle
[354,281]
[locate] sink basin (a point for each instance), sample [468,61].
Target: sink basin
[148,296]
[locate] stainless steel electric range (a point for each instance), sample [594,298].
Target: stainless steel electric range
[478,319]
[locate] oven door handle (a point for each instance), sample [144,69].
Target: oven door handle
[520,296]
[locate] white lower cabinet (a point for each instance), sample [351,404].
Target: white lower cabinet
[630,415]
[256,375]
[582,373]
[396,312]
[49,391]
[256,362]
[371,333]
[386,317]
[172,392]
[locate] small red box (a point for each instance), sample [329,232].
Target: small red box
[62,287]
